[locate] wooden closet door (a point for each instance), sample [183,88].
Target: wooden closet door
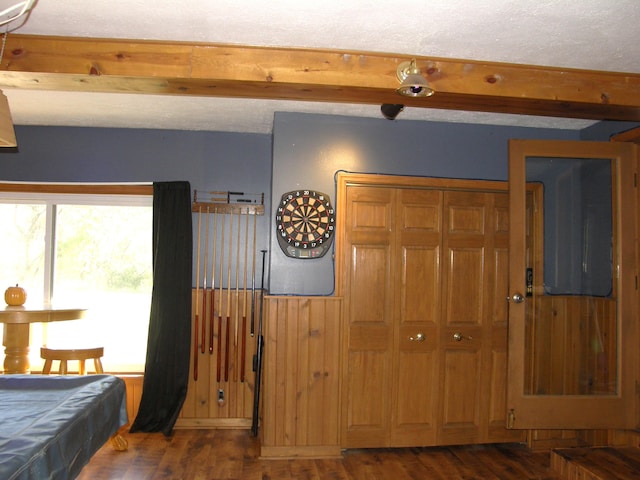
[417,314]
[463,310]
[369,308]
[474,319]
[424,277]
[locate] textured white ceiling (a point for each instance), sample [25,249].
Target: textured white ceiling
[587,34]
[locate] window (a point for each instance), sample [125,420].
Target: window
[86,250]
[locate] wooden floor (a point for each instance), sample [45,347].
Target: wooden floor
[600,463]
[233,454]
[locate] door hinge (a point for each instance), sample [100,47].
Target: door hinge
[511,418]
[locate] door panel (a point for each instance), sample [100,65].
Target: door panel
[464,285]
[420,286]
[464,239]
[567,339]
[414,415]
[417,241]
[369,419]
[369,305]
[370,271]
[466,326]
[460,421]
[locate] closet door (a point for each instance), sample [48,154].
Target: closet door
[393,237]
[474,318]
[462,334]
[423,273]
[417,311]
[369,308]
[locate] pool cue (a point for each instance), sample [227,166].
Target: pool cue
[228,332]
[253,278]
[195,329]
[244,301]
[204,282]
[237,313]
[219,354]
[213,281]
[257,361]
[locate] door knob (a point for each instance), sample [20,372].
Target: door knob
[516,298]
[420,337]
[458,337]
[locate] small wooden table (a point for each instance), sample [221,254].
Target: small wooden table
[17,322]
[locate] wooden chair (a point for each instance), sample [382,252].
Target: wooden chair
[64,355]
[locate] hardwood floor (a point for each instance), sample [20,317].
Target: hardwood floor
[233,454]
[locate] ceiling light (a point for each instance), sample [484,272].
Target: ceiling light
[413,83]
[391,110]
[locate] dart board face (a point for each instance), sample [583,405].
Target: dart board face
[305,222]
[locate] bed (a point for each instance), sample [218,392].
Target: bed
[50,426]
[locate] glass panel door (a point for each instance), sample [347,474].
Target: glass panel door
[572,277]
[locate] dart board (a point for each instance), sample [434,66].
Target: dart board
[305,222]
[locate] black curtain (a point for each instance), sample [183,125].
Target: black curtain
[167,366]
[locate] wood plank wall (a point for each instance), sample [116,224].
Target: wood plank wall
[203,407]
[300,396]
[133,384]
[301,389]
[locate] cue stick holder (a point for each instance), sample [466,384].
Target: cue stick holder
[225,293]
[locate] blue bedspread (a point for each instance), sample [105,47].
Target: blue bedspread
[50,426]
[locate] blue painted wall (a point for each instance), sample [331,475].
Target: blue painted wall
[208,160]
[305,151]
[309,149]
[602,131]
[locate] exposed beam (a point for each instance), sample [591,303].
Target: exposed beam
[178,68]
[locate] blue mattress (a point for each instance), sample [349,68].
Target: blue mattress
[50,426]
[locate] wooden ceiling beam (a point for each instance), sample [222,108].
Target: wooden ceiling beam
[179,68]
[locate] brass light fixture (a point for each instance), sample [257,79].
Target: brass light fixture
[413,84]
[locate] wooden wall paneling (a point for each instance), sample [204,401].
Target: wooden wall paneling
[300,414]
[201,408]
[271,390]
[325,323]
[133,384]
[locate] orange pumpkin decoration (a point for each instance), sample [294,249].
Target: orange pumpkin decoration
[15,296]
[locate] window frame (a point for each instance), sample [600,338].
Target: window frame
[51,194]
